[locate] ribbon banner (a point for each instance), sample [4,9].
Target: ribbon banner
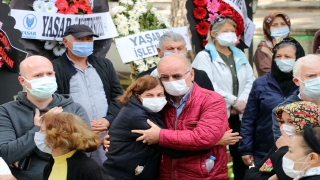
[240,7]
[145,44]
[10,55]
[47,26]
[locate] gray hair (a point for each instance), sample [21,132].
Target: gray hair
[285,44]
[216,26]
[171,36]
[310,60]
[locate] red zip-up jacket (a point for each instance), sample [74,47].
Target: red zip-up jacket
[201,124]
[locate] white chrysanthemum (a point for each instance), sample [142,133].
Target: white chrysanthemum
[123,29]
[142,1]
[141,7]
[51,7]
[59,50]
[153,10]
[142,67]
[156,59]
[134,25]
[121,19]
[149,60]
[39,6]
[50,45]
[134,14]
[118,9]
[127,2]
[138,62]
[54,1]
[162,19]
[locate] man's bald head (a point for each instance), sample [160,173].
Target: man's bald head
[34,63]
[178,60]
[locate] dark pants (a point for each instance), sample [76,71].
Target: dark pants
[239,167]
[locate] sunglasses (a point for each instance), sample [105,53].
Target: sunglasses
[219,19]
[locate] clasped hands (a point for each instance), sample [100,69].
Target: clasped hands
[238,107]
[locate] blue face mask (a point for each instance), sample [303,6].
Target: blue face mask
[82,49]
[280,32]
[285,65]
[312,87]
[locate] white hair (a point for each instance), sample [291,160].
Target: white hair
[310,60]
[170,36]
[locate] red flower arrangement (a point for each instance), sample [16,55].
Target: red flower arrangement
[74,7]
[206,16]
[202,28]
[200,3]
[200,13]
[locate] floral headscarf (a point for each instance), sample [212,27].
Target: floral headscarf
[268,21]
[301,112]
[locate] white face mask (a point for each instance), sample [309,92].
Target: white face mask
[154,104]
[285,65]
[42,88]
[176,88]
[227,39]
[289,130]
[170,53]
[40,140]
[311,88]
[288,164]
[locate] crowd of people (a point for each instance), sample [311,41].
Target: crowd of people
[176,120]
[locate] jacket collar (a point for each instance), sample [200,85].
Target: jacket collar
[67,64]
[239,56]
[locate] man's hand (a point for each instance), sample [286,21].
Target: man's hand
[14,165]
[283,140]
[37,117]
[229,138]
[248,160]
[150,136]
[106,142]
[239,106]
[7,177]
[234,111]
[99,126]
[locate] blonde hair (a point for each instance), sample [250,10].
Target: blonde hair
[69,132]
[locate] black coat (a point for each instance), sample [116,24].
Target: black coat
[80,167]
[125,153]
[200,77]
[111,84]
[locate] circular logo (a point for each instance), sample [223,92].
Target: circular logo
[30,21]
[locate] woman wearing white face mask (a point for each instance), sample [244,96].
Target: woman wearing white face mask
[292,118]
[231,76]
[276,26]
[127,158]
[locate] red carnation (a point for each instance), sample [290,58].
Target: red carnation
[200,3]
[202,28]
[62,5]
[239,21]
[225,9]
[204,43]
[74,7]
[199,13]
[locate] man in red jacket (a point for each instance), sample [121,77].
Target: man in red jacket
[196,119]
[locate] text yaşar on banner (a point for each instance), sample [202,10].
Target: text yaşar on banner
[145,44]
[50,26]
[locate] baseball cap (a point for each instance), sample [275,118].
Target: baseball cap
[79,31]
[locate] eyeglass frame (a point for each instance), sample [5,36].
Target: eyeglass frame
[174,78]
[219,19]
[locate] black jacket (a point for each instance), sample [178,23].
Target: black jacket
[111,84]
[200,77]
[125,154]
[80,167]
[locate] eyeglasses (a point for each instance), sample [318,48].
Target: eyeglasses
[174,77]
[219,19]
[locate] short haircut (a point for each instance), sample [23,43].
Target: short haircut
[171,36]
[310,60]
[69,132]
[216,26]
[140,85]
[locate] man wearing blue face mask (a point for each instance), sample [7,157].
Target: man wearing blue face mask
[90,80]
[174,43]
[306,75]
[20,119]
